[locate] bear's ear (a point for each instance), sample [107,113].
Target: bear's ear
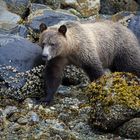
[63,29]
[42,27]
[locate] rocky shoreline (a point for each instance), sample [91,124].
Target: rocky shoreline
[80,111]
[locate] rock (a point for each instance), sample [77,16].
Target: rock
[134,25]
[33,118]
[29,103]
[20,30]
[124,15]
[115,6]
[49,17]
[86,8]
[22,120]
[14,117]
[37,1]
[36,6]
[74,76]
[9,111]
[64,90]
[9,22]
[66,119]
[18,55]
[131,129]
[54,4]
[114,99]
[14,127]
[17,6]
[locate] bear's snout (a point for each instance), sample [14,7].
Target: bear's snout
[44,57]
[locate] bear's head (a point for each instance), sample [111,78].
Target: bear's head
[53,41]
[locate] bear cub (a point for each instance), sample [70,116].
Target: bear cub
[91,46]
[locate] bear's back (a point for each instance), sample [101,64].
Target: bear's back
[105,38]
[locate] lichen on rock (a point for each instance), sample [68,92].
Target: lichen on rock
[115,99]
[118,88]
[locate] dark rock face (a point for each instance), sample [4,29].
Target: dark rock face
[134,25]
[49,17]
[17,55]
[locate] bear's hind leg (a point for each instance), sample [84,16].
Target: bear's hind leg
[127,63]
[93,72]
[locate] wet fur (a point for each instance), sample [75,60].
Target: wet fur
[93,47]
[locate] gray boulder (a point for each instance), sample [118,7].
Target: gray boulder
[9,22]
[50,17]
[17,6]
[17,55]
[134,25]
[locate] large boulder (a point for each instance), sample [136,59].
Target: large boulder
[85,7]
[36,6]
[50,17]
[134,25]
[9,22]
[17,6]
[17,55]
[115,100]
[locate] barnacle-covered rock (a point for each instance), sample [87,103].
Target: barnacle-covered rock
[115,99]
[17,60]
[74,76]
[32,86]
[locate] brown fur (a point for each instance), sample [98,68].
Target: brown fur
[93,47]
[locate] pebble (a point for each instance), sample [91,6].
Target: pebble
[9,111]
[22,120]
[33,118]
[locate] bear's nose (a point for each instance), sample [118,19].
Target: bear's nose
[44,57]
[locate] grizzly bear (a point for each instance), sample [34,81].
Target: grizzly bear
[90,46]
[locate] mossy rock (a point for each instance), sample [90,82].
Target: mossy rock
[115,99]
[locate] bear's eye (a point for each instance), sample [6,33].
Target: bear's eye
[52,44]
[43,44]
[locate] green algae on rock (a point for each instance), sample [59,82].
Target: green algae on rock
[115,99]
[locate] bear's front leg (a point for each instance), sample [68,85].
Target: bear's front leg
[53,76]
